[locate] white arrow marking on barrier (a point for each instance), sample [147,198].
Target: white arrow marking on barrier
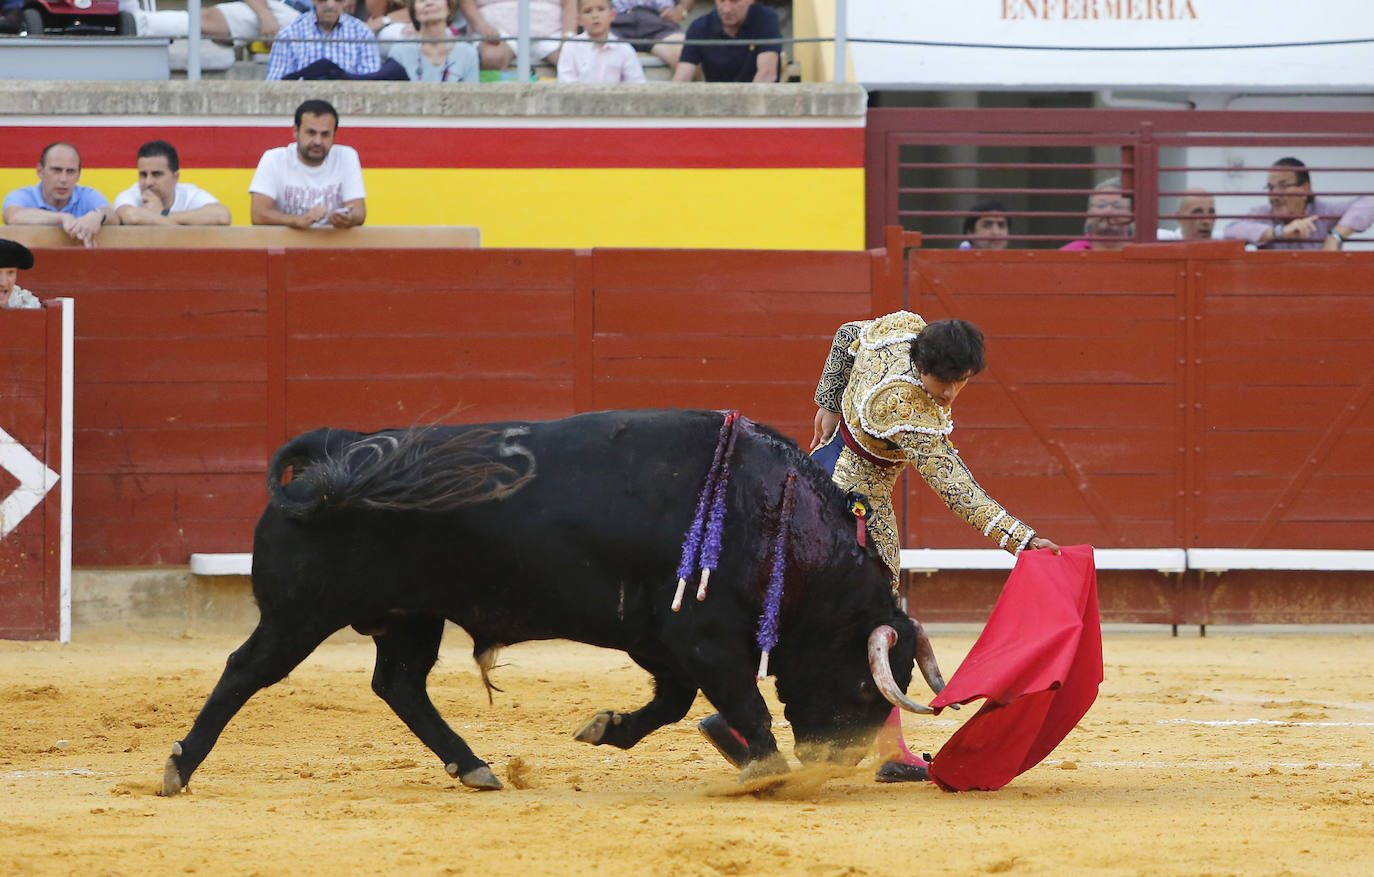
[35,480]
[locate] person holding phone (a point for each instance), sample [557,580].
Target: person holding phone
[315,183]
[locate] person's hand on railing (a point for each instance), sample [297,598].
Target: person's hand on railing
[487,32]
[677,13]
[267,26]
[310,217]
[1299,229]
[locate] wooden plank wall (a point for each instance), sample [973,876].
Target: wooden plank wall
[1073,425]
[747,330]
[1170,396]
[1286,434]
[30,388]
[1145,400]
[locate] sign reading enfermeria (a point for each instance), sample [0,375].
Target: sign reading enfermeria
[1111,10]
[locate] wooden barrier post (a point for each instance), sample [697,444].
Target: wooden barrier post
[35,452]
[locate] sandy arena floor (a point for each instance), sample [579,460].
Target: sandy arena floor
[1240,753]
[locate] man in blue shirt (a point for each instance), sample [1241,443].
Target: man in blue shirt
[57,199]
[748,61]
[327,32]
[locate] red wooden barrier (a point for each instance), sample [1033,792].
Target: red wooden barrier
[1173,395]
[1179,394]
[31,573]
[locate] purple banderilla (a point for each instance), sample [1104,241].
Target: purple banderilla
[772,602]
[701,545]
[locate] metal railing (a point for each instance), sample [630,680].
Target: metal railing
[927,167]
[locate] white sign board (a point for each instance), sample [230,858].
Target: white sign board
[1190,45]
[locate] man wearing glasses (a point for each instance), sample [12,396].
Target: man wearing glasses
[326,32]
[1295,219]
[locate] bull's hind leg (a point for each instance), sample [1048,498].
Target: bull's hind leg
[406,652]
[672,699]
[267,656]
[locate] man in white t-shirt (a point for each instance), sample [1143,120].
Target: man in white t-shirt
[160,198]
[313,183]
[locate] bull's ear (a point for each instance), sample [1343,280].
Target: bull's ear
[861,509]
[858,504]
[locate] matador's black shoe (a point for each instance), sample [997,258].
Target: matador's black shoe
[728,743]
[901,772]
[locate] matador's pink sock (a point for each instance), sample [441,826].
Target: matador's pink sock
[891,746]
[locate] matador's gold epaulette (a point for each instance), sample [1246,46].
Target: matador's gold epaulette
[900,404]
[895,328]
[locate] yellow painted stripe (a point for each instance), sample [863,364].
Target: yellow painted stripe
[746,208]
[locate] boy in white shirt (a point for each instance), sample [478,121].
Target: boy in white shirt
[584,59]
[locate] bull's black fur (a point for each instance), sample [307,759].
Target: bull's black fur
[563,529]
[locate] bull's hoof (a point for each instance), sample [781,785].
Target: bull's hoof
[480,778]
[763,768]
[595,731]
[730,745]
[171,777]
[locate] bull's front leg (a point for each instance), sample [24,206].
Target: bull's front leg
[743,709]
[672,699]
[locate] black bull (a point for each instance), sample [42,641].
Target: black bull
[569,529]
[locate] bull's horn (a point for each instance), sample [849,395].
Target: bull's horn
[925,659]
[879,641]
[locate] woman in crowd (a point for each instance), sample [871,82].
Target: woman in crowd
[439,58]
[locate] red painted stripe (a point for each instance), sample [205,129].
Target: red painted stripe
[207,146]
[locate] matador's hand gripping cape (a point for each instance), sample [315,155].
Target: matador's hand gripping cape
[888,419]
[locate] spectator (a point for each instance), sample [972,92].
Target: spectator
[328,33]
[57,199]
[1295,219]
[160,198]
[1199,215]
[1110,224]
[313,183]
[986,226]
[652,25]
[390,20]
[587,58]
[447,61]
[15,257]
[495,21]
[744,60]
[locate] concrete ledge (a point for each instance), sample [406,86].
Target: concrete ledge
[660,100]
[78,58]
[161,600]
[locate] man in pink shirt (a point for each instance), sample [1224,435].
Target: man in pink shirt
[1110,224]
[1295,219]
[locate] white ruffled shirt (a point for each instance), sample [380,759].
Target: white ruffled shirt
[20,297]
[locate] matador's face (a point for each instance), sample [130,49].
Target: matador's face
[943,392]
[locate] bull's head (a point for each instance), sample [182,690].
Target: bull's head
[846,687]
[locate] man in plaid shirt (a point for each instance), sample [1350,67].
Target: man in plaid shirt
[341,38]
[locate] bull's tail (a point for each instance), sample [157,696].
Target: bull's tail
[405,470]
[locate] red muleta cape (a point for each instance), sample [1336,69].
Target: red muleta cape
[1039,664]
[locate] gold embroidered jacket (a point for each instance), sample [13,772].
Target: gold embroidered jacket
[869,380]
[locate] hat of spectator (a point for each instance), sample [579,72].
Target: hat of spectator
[15,255]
